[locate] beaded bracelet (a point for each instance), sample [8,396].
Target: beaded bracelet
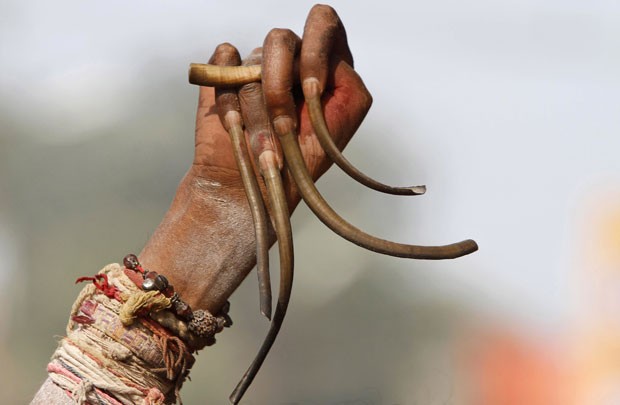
[199,322]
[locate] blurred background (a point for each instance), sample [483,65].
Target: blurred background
[507,110]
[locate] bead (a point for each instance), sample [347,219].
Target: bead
[174,297]
[169,291]
[161,282]
[131,261]
[150,274]
[203,324]
[181,309]
[148,284]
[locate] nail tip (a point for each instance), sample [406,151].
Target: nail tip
[417,190]
[469,246]
[474,245]
[266,312]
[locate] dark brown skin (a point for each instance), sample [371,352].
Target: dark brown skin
[205,244]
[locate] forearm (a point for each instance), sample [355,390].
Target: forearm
[204,246]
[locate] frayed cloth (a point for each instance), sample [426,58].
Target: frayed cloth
[113,354]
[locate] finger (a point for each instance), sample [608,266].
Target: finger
[264,148]
[255,116]
[229,112]
[279,51]
[325,40]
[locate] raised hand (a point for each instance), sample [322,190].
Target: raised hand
[209,224]
[309,101]
[272,107]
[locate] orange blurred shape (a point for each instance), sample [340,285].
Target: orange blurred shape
[610,238]
[600,234]
[503,369]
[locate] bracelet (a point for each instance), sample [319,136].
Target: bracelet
[199,322]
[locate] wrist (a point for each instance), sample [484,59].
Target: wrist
[205,244]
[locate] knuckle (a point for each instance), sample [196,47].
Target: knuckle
[251,93]
[280,104]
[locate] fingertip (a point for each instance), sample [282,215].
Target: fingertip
[279,51]
[226,100]
[324,38]
[225,54]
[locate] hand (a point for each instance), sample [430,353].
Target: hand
[346,101]
[205,244]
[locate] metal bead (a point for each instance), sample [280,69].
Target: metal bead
[224,320]
[131,261]
[148,284]
[161,282]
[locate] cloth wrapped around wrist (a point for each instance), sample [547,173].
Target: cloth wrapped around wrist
[125,345]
